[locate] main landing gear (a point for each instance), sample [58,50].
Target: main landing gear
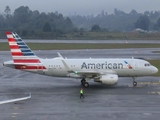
[134,81]
[84,83]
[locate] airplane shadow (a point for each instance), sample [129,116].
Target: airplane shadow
[62,88]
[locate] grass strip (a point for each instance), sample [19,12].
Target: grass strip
[71,46]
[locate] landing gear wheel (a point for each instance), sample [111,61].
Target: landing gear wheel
[86,84]
[134,83]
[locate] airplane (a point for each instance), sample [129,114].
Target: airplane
[15,100]
[106,71]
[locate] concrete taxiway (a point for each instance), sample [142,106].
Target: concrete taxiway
[58,98]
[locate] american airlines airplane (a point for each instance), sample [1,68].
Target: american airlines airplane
[105,71]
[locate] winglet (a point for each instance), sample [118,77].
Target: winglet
[29,95]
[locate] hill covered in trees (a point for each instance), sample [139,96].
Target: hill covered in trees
[53,25]
[119,20]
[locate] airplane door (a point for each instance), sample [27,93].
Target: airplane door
[135,65]
[40,69]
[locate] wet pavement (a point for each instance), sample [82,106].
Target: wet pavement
[58,98]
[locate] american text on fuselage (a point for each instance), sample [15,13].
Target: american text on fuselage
[104,65]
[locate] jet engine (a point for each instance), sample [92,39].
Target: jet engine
[109,79]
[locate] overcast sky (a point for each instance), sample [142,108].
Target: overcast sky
[82,7]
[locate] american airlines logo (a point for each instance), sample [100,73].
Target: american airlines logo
[104,65]
[129,66]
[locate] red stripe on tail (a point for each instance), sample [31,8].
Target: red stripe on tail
[17,54]
[14,47]
[11,40]
[8,33]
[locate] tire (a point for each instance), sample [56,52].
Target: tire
[134,83]
[86,84]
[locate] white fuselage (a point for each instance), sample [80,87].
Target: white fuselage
[55,67]
[114,66]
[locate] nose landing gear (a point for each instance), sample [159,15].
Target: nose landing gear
[134,81]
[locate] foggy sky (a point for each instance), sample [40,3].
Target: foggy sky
[82,7]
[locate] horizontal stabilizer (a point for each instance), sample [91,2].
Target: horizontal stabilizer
[15,100]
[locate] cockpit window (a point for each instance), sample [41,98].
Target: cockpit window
[147,64]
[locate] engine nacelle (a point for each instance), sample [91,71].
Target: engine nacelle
[109,79]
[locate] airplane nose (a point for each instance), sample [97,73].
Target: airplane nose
[154,70]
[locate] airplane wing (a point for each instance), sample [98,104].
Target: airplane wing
[15,100]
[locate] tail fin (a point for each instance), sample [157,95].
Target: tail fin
[21,53]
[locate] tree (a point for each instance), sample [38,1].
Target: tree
[143,22]
[7,10]
[47,27]
[69,24]
[158,23]
[95,28]
[2,21]
[21,15]
[134,12]
[118,12]
[8,16]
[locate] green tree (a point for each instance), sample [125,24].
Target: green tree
[158,23]
[47,27]
[7,10]
[69,23]
[134,12]
[95,28]
[8,16]
[2,21]
[143,22]
[21,15]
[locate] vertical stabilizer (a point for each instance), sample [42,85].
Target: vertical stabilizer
[21,53]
